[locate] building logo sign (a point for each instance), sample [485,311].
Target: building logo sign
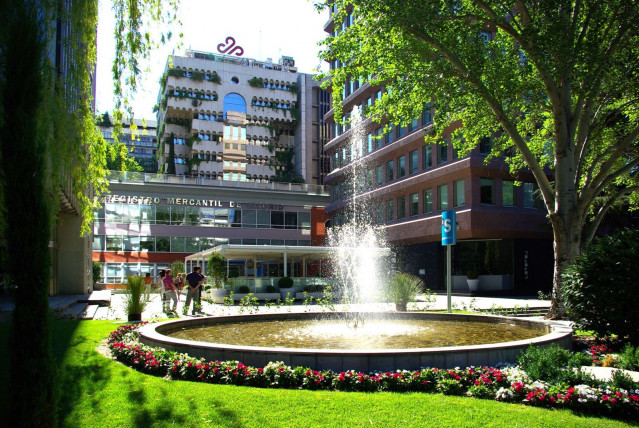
[229,47]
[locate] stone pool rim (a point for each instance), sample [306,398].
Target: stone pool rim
[360,360]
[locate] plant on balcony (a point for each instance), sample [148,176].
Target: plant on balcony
[197,75]
[256,82]
[215,78]
[175,72]
[293,88]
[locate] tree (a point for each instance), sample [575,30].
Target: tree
[554,83]
[118,158]
[48,139]
[217,269]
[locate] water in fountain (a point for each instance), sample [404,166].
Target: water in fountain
[360,260]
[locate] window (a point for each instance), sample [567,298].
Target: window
[234,102]
[390,137]
[98,242]
[413,126]
[414,204]
[443,152]
[379,175]
[428,201]
[390,210]
[486,190]
[485,145]
[114,243]
[369,143]
[401,166]
[413,160]
[428,157]
[427,117]
[401,207]
[508,193]
[458,193]
[277,219]
[389,171]
[442,197]
[291,220]
[304,220]
[380,139]
[531,197]
[380,213]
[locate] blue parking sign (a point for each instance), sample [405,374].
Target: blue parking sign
[449,228]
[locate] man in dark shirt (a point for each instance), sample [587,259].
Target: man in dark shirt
[194,280]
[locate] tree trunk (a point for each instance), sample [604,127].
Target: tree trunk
[567,245]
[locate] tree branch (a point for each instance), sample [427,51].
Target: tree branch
[592,228]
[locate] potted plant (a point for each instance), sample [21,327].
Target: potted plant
[286,287]
[96,273]
[403,288]
[135,300]
[472,279]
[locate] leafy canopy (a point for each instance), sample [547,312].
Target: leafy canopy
[554,83]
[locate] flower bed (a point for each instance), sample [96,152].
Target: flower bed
[508,384]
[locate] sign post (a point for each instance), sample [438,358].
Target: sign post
[449,238]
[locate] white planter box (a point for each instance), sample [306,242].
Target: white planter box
[302,296]
[260,296]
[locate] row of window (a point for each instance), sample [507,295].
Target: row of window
[202,216]
[403,206]
[377,139]
[178,244]
[196,95]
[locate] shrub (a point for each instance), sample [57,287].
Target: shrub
[285,282]
[217,269]
[402,289]
[97,272]
[271,289]
[554,364]
[629,358]
[135,301]
[243,289]
[601,286]
[622,380]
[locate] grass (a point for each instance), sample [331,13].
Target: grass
[96,392]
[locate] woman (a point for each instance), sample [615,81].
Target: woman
[170,292]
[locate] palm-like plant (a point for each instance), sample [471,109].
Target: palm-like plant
[135,300]
[403,288]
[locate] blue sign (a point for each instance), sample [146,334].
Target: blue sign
[449,228]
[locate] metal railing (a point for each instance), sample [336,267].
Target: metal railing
[145,177]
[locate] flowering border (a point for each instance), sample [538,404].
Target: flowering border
[508,384]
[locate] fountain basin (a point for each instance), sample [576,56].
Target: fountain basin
[362,360]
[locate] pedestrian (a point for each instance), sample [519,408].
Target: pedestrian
[170,292]
[148,284]
[194,281]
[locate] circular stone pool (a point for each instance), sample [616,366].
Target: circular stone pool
[385,342]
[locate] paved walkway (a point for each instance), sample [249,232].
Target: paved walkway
[69,306]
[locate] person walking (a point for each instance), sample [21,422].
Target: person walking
[194,281]
[170,291]
[148,284]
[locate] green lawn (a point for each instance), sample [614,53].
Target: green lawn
[96,392]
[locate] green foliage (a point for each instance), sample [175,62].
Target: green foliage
[552,83]
[602,286]
[135,300]
[177,266]
[256,82]
[96,272]
[217,269]
[243,289]
[403,288]
[629,358]
[271,288]
[285,282]
[118,158]
[554,364]
[622,380]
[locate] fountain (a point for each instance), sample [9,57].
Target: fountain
[357,340]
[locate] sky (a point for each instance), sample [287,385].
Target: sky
[263,28]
